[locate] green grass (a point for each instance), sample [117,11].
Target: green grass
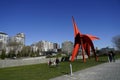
[44,72]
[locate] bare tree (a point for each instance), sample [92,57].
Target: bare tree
[26,50]
[116,41]
[14,43]
[14,47]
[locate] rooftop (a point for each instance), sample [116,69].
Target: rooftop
[3,33]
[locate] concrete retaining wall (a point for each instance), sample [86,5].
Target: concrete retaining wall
[20,62]
[26,61]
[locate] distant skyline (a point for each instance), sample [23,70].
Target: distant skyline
[51,20]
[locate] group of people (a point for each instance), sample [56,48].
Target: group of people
[111,56]
[56,62]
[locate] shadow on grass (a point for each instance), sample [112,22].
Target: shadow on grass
[102,61]
[52,66]
[64,73]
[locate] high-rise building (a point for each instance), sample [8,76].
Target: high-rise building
[12,43]
[18,38]
[56,47]
[67,47]
[3,40]
[16,42]
[44,46]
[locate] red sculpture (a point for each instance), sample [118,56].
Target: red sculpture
[83,41]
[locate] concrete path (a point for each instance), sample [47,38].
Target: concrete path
[106,71]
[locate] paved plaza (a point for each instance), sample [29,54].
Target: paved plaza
[106,71]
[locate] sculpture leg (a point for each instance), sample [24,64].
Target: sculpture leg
[84,60]
[96,58]
[75,51]
[87,49]
[82,46]
[92,47]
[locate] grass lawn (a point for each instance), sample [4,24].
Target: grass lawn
[44,72]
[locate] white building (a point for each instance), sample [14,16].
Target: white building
[45,46]
[3,40]
[19,38]
[34,48]
[10,43]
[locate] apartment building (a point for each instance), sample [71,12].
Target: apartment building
[3,40]
[12,43]
[45,46]
[18,38]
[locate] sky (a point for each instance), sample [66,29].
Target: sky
[51,20]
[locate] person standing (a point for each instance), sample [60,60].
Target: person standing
[113,56]
[49,62]
[57,61]
[110,56]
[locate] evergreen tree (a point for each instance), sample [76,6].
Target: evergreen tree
[3,54]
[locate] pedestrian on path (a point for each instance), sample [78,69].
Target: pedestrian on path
[113,56]
[109,56]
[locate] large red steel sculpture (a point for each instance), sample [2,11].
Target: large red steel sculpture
[83,41]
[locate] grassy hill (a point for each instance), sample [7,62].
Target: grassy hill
[44,72]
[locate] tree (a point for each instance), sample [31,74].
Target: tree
[37,52]
[12,43]
[19,54]
[116,41]
[15,46]
[25,52]
[3,55]
[11,54]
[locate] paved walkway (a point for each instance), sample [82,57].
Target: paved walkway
[106,71]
